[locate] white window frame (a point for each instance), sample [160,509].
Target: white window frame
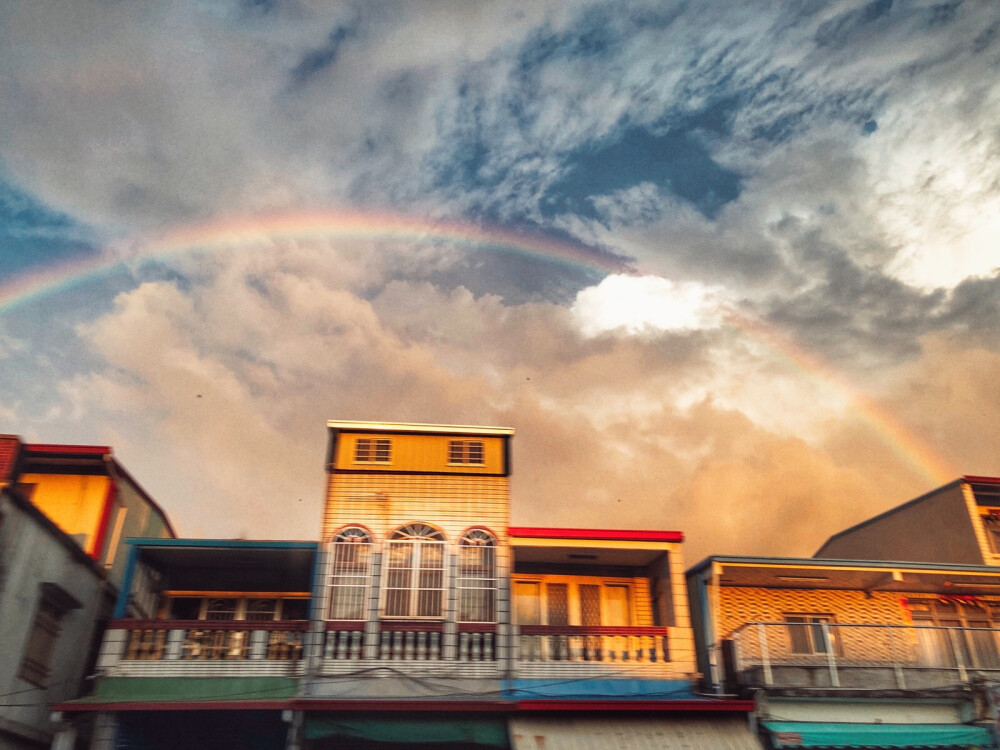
[344,538]
[477,539]
[460,453]
[420,538]
[371,449]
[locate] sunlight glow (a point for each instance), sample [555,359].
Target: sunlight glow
[637,304]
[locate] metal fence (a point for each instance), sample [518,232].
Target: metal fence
[826,654]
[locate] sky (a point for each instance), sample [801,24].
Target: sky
[727,268]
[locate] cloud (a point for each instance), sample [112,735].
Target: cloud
[828,170]
[637,303]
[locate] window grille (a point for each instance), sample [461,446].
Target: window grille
[262,609]
[477,577]
[465,452]
[373,450]
[350,567]
[414,577]
[221,609]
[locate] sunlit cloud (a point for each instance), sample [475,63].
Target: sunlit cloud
[637,304]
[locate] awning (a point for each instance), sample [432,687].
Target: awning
[632,733]
[786,734]
[338,732]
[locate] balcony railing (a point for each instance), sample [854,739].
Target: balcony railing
[410,641]
[209,640]
[594,644]
[829,655]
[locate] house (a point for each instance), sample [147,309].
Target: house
[206,647]
[443,626]
[87,493]
[957,523]
[64,518]
[849,653]
[51,598]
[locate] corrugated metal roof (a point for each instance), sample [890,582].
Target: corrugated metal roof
[625,733]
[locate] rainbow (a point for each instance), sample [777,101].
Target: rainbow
[902,441]
[240,233]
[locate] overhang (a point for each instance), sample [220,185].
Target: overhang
[811,573]
[796,734]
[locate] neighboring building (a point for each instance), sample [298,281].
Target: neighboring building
[849,653]
[86,493]
[956,523]
[67,512]
[51,597]
[206,648]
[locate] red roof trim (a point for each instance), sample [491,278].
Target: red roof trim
[618,535]
[86,450]
[631,705]
[982,480]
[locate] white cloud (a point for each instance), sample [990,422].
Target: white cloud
[635,304]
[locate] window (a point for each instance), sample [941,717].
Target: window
[349,571]
[465,452]
[971,628]
[476,577]
[53,604]
[806,634]
[373,451]
[572,600]
[414,572]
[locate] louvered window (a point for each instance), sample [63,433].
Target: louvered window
[373,451]
[465,452]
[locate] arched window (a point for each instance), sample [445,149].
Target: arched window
[350,566]
[477,583]
[414,572]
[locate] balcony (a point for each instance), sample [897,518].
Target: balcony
[348,645]
[603,645]
[202,648]
[825,655]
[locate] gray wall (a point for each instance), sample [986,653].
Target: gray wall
[933,528]
[32,552]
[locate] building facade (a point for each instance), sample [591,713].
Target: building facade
[431,622]
[65,515]
[51,598]
[898,654]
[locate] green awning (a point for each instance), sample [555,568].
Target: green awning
[814,734]
[481,732]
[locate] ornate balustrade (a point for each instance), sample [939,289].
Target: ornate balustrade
[410,641]
[594,644]
[204,640]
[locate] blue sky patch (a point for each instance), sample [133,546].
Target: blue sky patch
[676,161]
[32,235]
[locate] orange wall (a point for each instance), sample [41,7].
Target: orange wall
[74,503]
[421,453]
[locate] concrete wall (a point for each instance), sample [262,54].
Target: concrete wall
[32,553]
[934,528]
